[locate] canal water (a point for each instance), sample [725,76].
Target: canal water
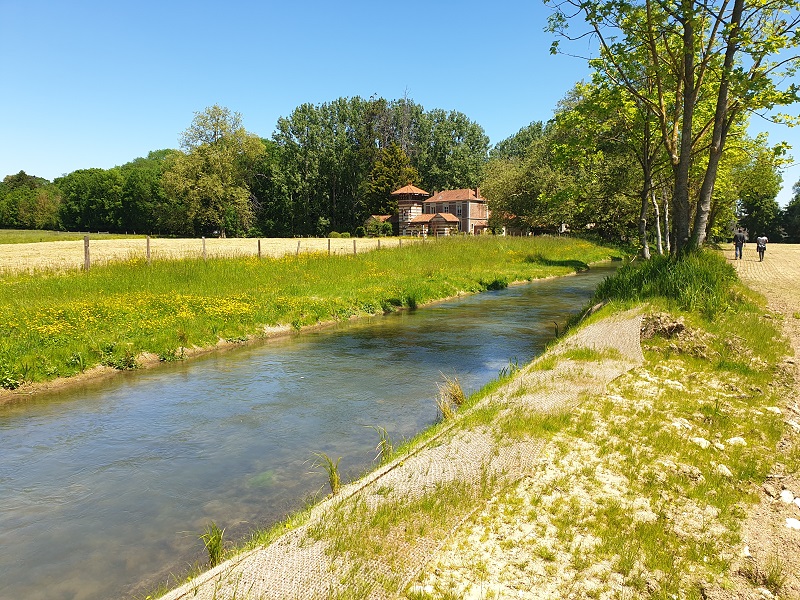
[104,490]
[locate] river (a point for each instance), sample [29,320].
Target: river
[105,489]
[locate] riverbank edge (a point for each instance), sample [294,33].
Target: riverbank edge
[738,578]
[98,374]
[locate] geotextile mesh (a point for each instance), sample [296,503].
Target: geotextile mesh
[473,461]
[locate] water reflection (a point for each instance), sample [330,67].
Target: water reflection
[109,486]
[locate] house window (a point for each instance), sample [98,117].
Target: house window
[447,208]
[458,210]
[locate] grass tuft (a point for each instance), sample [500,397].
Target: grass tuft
[331,468]
[450,398]
[212,540]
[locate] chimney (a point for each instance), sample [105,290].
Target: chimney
[477,192]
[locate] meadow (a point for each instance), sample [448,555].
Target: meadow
[58,323]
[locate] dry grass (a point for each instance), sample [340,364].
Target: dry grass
[69,255]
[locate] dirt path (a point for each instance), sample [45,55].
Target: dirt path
[765,533]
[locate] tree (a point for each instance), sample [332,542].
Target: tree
[790,217]
[391,171]
[758,207]
[698,67]
[532,192]
[329,153]
[210,177]
[29,202]
[91,199]
[516,145]
[145,205]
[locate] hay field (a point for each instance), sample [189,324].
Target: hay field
[69,255]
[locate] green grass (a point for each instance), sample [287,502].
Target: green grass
[698,282]
[29,236]
[59,324]
[660,514]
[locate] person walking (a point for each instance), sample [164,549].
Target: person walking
[739,238]
[761,246]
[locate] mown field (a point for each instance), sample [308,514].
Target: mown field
[24,250]
[58,323]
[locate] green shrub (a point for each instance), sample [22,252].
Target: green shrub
[699,281]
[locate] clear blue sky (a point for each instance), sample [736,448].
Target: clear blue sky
[97,84]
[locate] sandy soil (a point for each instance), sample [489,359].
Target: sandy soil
[70,255]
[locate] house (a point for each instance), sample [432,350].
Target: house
[443,213]
[409,206]
[466,204]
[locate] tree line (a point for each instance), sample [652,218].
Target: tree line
[608,163]
[327,167]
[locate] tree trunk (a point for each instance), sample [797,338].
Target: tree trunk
[681,206]
[667,230]
[720,131]
[657,220]
[645,198]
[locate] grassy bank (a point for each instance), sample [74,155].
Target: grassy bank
[638,492]
[57,325]
[642,492]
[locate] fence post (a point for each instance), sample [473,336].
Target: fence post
[148,249]
[259,248]
[297,253]
[379,243]
[329,246]
[399,242]
[86,262]
[354,247]
[204,247]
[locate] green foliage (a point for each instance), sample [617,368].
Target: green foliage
[790,217]
[662,52]
[698,281]
[91,199]
[211,178]
[759,212]
[392,170]
[341,159]
[29,202]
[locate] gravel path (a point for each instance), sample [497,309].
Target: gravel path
[765,533]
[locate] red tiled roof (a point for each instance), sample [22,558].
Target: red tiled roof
[381,218]
[410,189]
[456,195]
[451,218]
[427,217]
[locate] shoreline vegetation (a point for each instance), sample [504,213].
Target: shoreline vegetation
[639,491]
[61,328]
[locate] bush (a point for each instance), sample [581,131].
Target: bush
[345,234]
[360,232]
[334,234]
